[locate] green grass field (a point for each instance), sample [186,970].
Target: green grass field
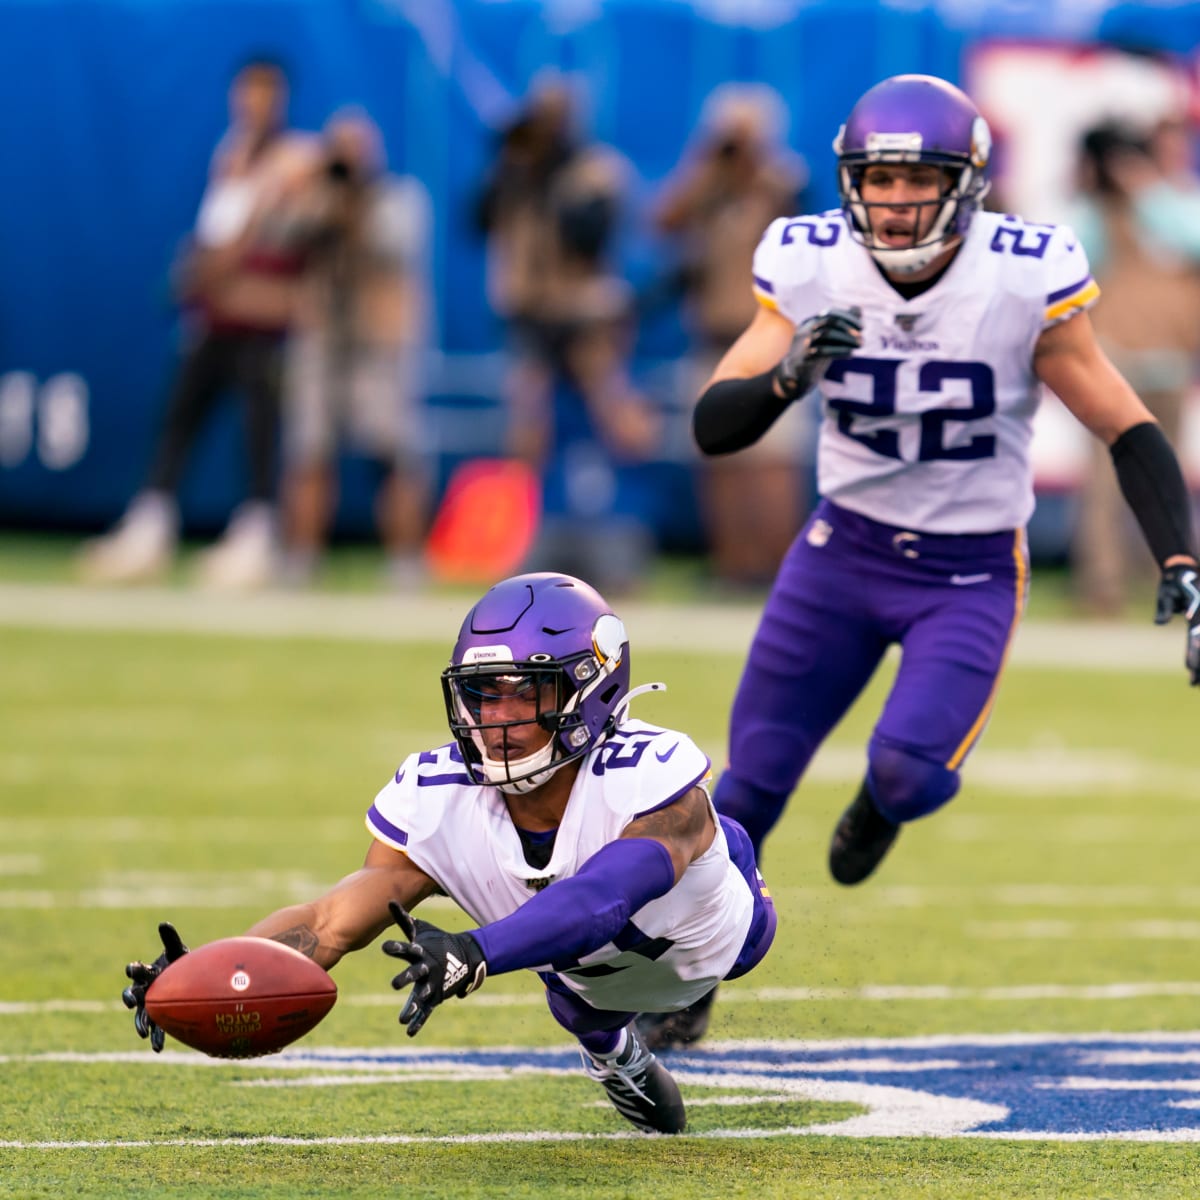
[211,778]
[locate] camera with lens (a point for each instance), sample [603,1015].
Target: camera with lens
[338,170]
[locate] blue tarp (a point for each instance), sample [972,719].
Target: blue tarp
[112,107]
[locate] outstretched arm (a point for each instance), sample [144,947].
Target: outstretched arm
[354,912]
[348,917]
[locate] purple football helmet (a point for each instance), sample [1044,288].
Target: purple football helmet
[544,635]
[914,119]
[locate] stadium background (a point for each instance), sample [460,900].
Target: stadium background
[113,108]
[167,754]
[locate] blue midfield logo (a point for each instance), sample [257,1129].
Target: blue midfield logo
[1142,1087]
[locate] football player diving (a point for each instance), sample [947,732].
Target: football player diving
[581,842]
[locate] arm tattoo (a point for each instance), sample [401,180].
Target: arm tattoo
[678,824]
[299,937]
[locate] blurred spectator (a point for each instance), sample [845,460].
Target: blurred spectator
[236,281]
[351,370]
[1138,217]
[550,210]
[735,180]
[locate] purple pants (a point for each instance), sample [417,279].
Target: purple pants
[848,589]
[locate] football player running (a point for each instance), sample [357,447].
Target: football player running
[583,844]
[927,327]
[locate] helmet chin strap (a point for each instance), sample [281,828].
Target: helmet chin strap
[907,260]
[497,771]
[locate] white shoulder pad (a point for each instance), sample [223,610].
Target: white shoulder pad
[641,767]
[1043,263]
[788,259]
[409,807]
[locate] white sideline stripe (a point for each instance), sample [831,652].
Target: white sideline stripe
[724,628]
[199,888]
[1085,1083]
[870,992]
[1141,1058]
[483,1139]
[399,1073]
[719,1101]
[21,864]
[377,1057]
[1188,931]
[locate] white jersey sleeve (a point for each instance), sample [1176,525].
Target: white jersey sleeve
[788,260]
[1070,288]
[410,809]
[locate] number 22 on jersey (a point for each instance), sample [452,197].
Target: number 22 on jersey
[931,376]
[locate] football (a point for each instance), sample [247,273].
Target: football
[240,997]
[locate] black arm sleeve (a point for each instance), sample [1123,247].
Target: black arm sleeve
[1153,486]
[735,413]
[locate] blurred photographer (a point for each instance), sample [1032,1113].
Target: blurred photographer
[550,210]
[352,363]
[1138,218]
[736,178]
[235,281]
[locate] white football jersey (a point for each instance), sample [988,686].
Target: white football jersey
[928,425]
[460,834]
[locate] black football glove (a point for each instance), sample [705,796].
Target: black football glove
[832,333]
[143,975]
[441,964]
[1179,592]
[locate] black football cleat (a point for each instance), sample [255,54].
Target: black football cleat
[676,1030]
[639,1086]
[862,837]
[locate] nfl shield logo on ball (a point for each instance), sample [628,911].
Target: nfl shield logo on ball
[240,981]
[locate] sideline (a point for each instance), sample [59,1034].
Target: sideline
[882,993]
[686,629]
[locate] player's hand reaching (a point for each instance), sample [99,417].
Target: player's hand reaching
[440,964]
[143,975]
[1179,592]
[832,333]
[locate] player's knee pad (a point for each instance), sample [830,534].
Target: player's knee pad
[905,786]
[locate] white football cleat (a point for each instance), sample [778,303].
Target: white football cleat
[245,557]
[139,548]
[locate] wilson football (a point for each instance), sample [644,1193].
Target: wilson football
[240,997]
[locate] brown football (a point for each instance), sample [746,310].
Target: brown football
[240,997]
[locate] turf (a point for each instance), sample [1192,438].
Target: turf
[211,779]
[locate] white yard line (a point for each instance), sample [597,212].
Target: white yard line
[722,628]
[874,993]
[889,1109]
